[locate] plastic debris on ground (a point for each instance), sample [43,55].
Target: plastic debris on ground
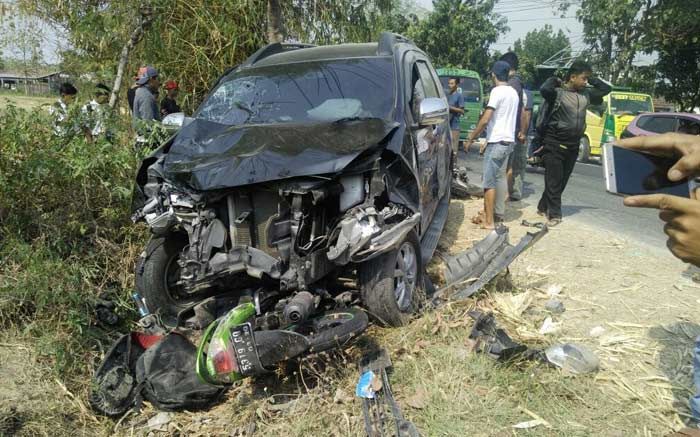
[382,414]
[573,358]
[488,338]
[364,385]
[492,340]
[549,327]
[461,187]
[554,306]
[483,262]
[554,290]
[596,331]
[529,224]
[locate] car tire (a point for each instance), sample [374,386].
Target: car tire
[584,150]
[391,289]
[156,272]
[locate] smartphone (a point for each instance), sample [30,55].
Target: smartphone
[629,172]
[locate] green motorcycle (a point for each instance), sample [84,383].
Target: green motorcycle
[232,349]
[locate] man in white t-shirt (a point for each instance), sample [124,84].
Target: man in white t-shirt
[499,119]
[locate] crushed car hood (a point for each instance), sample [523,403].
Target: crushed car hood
[209,156]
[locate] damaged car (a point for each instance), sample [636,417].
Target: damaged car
[309,175]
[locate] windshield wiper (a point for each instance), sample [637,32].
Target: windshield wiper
[347,119]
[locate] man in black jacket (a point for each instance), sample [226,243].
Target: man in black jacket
[563,132]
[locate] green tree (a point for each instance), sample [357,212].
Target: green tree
[613,29]
[538,46]
[458,33]
[195,41]
[673,32]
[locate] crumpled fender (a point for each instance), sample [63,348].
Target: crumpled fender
[361,238]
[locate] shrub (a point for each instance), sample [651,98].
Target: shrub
[66,234]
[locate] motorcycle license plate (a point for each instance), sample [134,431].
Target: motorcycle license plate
[243,341]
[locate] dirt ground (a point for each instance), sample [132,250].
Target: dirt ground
[640,302]
[643,308]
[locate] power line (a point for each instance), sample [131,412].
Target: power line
[540,19]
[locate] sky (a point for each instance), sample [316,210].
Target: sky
[526,15]
[523,16]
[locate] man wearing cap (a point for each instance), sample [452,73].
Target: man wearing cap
[145,103]
[131,92]
[94,114]
[169,105]
[499,119]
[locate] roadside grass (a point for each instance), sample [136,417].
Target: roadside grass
[66,240]
[442,386]
[24,102]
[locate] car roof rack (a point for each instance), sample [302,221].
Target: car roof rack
[387,40]
[273,49]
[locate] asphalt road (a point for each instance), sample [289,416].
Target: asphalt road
[586,200]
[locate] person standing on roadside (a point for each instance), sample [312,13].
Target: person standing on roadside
[94,114]
[499,119]
[169,105]
[59,110]
[146,111]
[518,159]
[131,92]
[455,100]
[568,101]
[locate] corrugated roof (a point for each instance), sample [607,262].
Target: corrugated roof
[31,75]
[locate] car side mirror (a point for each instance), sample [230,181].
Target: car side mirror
[176,120]
[433,110]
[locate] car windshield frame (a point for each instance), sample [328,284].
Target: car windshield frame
[637,98]
[319,90]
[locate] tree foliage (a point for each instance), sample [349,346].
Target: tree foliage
[673,32]
[538,46]
[458,33]
[613,30]
[195,41]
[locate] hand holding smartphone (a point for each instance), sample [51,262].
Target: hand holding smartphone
[630,172]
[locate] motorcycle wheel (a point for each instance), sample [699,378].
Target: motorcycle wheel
[336,328]
[157,273]
[391,284]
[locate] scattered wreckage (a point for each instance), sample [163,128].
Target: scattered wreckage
[305,194]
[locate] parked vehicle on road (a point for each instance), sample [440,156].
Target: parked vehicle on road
[473,92]
[606,122]
[310,179]
[662,122]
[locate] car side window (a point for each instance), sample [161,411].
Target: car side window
[688,126]
[429,85]
[659,125]
[418,92]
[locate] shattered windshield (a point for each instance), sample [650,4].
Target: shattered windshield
[337,89]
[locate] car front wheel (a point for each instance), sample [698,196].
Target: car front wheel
[157,276]
[392,284]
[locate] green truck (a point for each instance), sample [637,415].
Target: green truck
[473,92]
